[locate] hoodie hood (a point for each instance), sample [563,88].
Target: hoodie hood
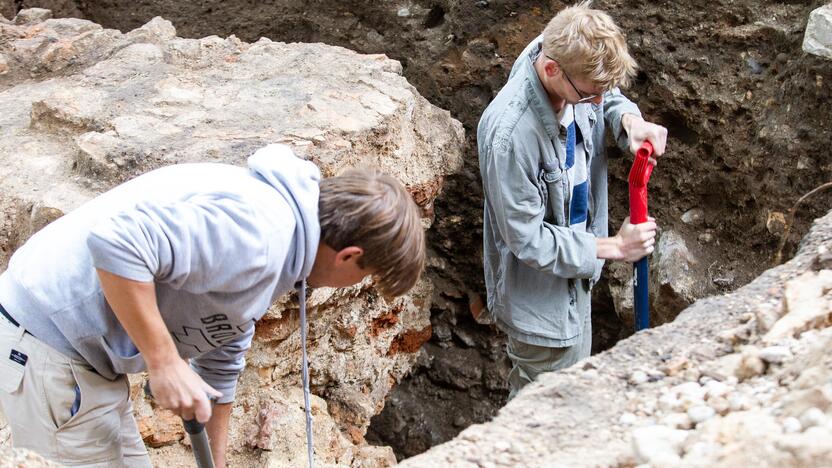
[299,183]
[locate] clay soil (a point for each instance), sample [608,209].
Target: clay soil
[748,114]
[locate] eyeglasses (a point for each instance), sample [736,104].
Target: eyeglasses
[583,97]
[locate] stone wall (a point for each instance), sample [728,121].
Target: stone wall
[86,108]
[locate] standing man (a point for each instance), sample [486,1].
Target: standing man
[176,265]
[544,174]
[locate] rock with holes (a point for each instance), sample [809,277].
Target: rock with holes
[85,108]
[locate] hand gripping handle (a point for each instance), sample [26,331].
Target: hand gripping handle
[639,175]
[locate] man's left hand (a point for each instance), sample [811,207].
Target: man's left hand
[640,130]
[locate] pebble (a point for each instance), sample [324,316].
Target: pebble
[693,216]
[669,402]
[638,377]
[502,445]
[658,445]
[677,421]
[403,12]
[627,419]
[739,402]
[775,354]
[812,417]
[698,414]
[715,389]
[720,405]
[792,425]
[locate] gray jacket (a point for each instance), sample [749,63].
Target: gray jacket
[532,259]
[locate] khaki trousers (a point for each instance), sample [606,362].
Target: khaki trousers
[39,398]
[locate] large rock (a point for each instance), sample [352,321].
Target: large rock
[85,108]
[818,37]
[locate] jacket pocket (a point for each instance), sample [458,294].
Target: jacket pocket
[550,179]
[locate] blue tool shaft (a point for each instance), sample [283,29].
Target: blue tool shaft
[640,294]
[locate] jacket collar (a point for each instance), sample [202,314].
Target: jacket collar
[538,98]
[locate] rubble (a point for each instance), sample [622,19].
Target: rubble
[754,403]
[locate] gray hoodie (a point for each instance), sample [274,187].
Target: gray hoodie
[220,242]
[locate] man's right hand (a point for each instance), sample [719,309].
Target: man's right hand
[636,241]
[632,243]
[175,386]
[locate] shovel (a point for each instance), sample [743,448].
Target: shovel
[639,175]
[199,438]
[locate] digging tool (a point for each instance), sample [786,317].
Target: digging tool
[199,438]
[639,175]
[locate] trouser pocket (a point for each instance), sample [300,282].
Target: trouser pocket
[92,434]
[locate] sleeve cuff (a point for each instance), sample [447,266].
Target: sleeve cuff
[116,261]
[224,385]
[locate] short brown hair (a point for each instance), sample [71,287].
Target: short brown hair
[369,209]
[588,43]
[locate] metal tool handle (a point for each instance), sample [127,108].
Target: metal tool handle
[198,436]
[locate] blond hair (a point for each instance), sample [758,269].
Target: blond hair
[589,44]
[372,210]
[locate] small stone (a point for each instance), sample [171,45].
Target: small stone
[720,405]
[654,375]
[677,421]
[502,445]
[698,414]
[690,394]
[812,417]
[716,389]
[628,419]
[739,402]
[4,65]
[638,377]
[706,237]
[403,12]
[750,366]
[792,425]
[775,223]
[482,4]
[754,66]
[693,216]
[775,354]
[658,445]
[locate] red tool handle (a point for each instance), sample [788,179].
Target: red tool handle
[639,175]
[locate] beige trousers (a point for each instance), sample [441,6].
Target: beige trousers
[39,398]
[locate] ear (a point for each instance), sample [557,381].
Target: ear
[552,68]
[348,254]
